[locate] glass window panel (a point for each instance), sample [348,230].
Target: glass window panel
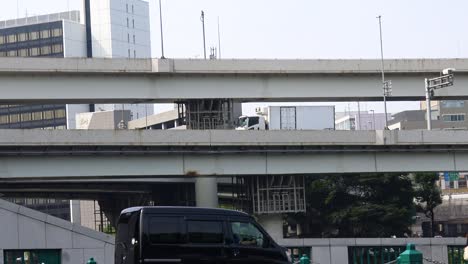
[60,113]
[48,114]
[3,54]
[2,40]
[34,52]
[14,118]
[34,35]
[45,50]
[11,53]
[26,117]
[205,232]
[11,38]
[58,48]
[56,32]
[4,119]
[45,33]
[165,230]
[37,116]
[247,234]
[23,36]
[23,53]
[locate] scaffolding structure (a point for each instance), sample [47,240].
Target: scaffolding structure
[206,114]
[278,194]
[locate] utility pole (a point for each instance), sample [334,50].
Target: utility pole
[161,26]
[202,18]
[386,85]
[219,41]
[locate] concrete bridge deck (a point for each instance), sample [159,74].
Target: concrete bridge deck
[84,156]
[47,80]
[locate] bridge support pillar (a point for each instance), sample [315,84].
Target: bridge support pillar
[206,192]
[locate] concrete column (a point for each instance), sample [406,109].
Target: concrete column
[75,212]
[206,192]
[273,224]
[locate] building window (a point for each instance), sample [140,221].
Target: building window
[127,8]
[2,40]
[45,34]
[453,104]
[46,50]
[134,39]
[133,22]
[48,114]
[34,52]
[23,37]
[11,53]
[23,53]
[128,37]
[58,48]
[14,118]
[37,116]
[33,35]
[57,32]
[133,9]
[128,53]
[4,119]
[454,118]
[60,113]
[26,117]
[3,53]
[52,256]
[11,38]
[128,22]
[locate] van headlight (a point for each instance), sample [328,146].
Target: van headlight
[288,255]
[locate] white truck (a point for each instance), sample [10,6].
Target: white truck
[290,118]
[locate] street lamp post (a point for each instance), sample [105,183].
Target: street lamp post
[386,85]
[445,80]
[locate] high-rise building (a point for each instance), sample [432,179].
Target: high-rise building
[104,29]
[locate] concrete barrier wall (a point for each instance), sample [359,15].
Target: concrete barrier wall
[335,250]
[24,229]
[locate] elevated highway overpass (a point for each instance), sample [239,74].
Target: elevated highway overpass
[86,156]
[48,80]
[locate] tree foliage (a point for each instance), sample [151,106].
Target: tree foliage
[371,205]
[428,195]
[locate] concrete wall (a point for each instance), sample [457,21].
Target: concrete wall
[74,40]
[23,228]
[335,250]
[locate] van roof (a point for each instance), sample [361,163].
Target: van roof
[184,210]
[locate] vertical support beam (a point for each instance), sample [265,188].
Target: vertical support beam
[206,192]
[75,212]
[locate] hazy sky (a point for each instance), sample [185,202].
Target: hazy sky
[305,29]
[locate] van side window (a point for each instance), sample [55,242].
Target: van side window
[205,232]
[246,234]
[165,230]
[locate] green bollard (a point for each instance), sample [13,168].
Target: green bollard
[91,261]
[410,256]
[304,259]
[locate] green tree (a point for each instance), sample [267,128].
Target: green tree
[370,205]
[428,195]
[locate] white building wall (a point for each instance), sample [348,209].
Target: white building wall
[23,228]
[74,39]
[136,110]
[101,28]
[120,29]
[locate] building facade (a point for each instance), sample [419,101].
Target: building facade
[364,120]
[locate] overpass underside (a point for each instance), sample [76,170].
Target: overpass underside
[137,163]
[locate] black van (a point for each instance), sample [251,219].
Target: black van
[193,235]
